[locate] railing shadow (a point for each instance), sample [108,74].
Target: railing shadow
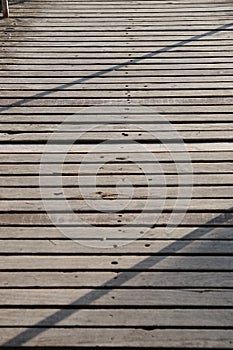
[123,277]
[118,66]
[177,246]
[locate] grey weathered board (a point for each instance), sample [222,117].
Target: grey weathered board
[167,289]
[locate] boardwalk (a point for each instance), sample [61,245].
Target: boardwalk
[116,86]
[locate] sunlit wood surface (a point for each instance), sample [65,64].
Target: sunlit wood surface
[168,290]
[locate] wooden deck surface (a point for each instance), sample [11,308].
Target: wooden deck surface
[174,59]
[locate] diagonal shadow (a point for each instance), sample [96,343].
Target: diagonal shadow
[93,295]
[119,66]
[96,294]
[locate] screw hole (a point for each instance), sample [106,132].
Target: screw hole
[114,262]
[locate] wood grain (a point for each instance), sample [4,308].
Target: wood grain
[167,289]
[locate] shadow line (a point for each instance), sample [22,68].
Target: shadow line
[119,66]
[94,295]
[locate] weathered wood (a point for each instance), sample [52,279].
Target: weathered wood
[185,233]
[135,205]
[157,233]
[123,135]
[116,317]
[124,85]
[206,192]
[112,180]
[136,35]
[114,279]
[109,129]
[136,81]
[121,168]
[85,148]
[122,51]
[163,106]
[75,158]
[52,115]
[68,246]
[111,262]
[165,290]
[105,66]
[45,26]
[120,337]
[120,73]
[143,12]
[113,297]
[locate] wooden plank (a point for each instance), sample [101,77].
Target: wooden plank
[120,337]
[60,47]
[124,167]
[113,279]
[131,20]
[56,12]
[121,25]
[74,158]
[59,41]
[111,7]
[116,317]
[115,10]
[158,233]
[139,35]
[165,108]
[135,5]
[92,24]
[45,26]
[146,6]
[115,263]
[107,220]
[148,43]
[204,192]
[161,105]
[85,148]
[87,93]
[120,73]
[50,116]
[110,181]
[68,246]
[34,64]
[137,125]
[114,297]
[124,85]
[189,50]
[135,205]
[140,135]
[153,81]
